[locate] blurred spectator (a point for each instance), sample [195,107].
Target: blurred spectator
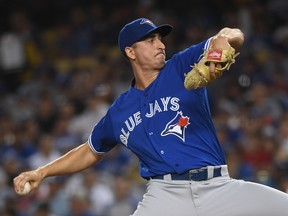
[262,104]
[93,187]
[256,154]
[283,137]
[43,210]
[57,199]
[63,138]
[80,205]
[46,113]
[46,152]
[240,169]
[124,203]
[95,109]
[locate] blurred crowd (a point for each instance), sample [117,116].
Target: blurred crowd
[61,69]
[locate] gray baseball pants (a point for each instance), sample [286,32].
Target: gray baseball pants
[219,196]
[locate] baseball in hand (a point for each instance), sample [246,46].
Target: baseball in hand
[26,190]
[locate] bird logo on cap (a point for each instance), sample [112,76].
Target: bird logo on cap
[147,21]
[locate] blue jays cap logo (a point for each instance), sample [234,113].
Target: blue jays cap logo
[147,21]
[177,126]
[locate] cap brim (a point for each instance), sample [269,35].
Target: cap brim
[163,30]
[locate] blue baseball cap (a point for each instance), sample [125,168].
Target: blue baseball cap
[139,29]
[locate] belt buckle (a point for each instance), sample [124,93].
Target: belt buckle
[191,172]
[197,172]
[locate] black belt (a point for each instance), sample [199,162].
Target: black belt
[191,175]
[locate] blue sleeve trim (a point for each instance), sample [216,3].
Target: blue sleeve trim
[92,147]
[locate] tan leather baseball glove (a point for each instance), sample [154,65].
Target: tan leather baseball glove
[222,56]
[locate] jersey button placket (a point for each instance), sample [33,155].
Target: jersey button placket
[144,102]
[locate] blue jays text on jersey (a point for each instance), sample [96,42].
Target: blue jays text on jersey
[169,128]
[155,107]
